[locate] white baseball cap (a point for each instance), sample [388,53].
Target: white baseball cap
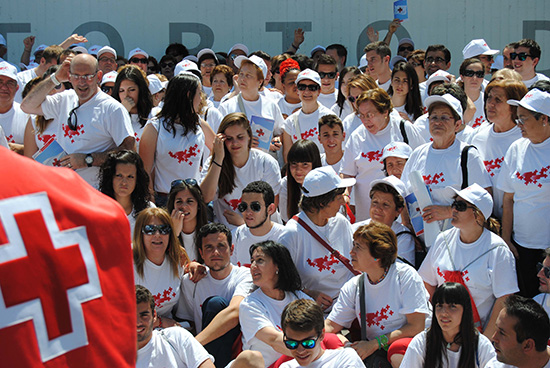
[207,52]
[363,62]
[440,75]
[238,46]
[447,99]
[78,48]
[396,149]
[105,49]
[393,182]
[406,40]
[137,51]
[256,60]
[192,58]
[309,74]
[187,66]
[109,77]
[322,180]
[94,49]
[8,70]
[155,85]
[477,196]
[317,48]
[535,100]
[477,47]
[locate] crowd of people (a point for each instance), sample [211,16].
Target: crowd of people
[272,199]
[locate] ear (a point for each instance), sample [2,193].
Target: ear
[99,75]
[231,249]
[343,134]
[42,61]
[535,62]
[322,336]
[528,346]
[458,123]
[271,209]
[399,210]
[200,252]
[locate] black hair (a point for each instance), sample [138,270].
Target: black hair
[214,228]
[413,103]
[303,315]
[341,50]
[143,295]
[262,188]
[145,100]
[304,61]
[380,47]
[302,150]
[532,45]
[325,59]
[178,48]
[454,90]
[531,320]
[178,104]
[434,48]
[289,278]
[315,204]
[341,98]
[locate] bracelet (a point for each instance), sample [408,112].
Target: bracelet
[217,164]
[345,195]
[295,47]
[384,341]
[379,345]
[54,80]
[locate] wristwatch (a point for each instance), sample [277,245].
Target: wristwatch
[89,159]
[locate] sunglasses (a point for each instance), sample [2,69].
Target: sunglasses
[471,73]
[72,121]
[460,206]
[540,266]
[254,206]
[521,56]
[330,75]
[306,343]
[152,229]
[138,61]
[436,60]
[352,99]
[311,87]
[107,89]
[405,48]
[191,182]
[166,65]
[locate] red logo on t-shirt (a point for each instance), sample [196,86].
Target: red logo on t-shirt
[381,315]
[163,297]
[436,179]
[10,138]
[493,165]
[184,156]
[234,203]
[309,133]
[68,132]
[136,136]
[45,137]
[532,177]
[323,263]
[372,155]
[479,120]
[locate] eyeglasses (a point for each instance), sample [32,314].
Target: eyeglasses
[352,99]
[72,121]
[191,182]
[369,115]
[87,77]
[254,206]
[443,119]
[152,229]
[521,56]
[166,65]
[436,60]
[105,59]
[11,84]
[107,89]
[485,57]
[311,87]
[138,61]
[330,75]
[460,206]
[209,65]
[306,343]
[405,48]
[470,73]
[540,266]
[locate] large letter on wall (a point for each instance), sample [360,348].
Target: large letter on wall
[205,33]
[115,41]
[6,28]
[288,31]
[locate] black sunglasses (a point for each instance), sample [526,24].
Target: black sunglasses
[540,266]
[152,229]
[254,206]
[471,73]
[166,65]
[330,75]
[521,56]
[405,48]
[352,99]
[306,343]
[460,206]
[191,182]
[72,121]
[311,87]
[107,89]
[138,61]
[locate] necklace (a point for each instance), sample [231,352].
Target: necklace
[380,279]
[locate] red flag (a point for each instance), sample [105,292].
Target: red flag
[67,296]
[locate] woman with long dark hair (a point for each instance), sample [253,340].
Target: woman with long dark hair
[472,72]
[343,107]
[452,341]
[404,91]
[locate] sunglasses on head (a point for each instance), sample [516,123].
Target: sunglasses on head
[191,182]
[540,266]
[306,343]
[460,206]
[471,73]
[254,206]
[152,229]
[330,75]
[405,48]
[138,61]
[311,87]
[521,56]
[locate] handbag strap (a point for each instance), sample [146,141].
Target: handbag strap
[241,104]
[333,251]
[363,309]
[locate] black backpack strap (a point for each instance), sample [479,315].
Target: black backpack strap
[363,309]
[403,132]
[464,165]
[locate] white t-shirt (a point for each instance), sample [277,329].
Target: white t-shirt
[176,157]
[162,284]
[14,123]
[525,174]
[50,132]
[306,126]
[259,166]
[340,358]
[492,147]
[258,311]
[237,283]
[479,116]
[337,166]
[189,245]
[494,363]
[318,268]
[347,109]
[3,140]
[263,106]
[416,353]
[243,239]
[350,122]
[138,129]
[387,303]
[287,108]
[538,76]
[172,347]
[487,266]
[329,99]
[103,124]
[283,198]
[544,301]
[275,96]
[23,78]
[362,156]
[385,86]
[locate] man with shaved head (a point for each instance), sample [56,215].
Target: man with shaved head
[91,124]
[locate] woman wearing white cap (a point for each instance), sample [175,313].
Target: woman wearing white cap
[526,184]
[364,148]
[207,62]
[473,256]
[317,227]
[303,124]
[439,162]
[394,158]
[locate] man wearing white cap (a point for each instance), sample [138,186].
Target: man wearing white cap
[304,123]
[480,50]
[525,58]
[48,58]
[106,57]
[12,119]
[524,179]
[92,123]
[378,58]
[138,57]
[237,49]
[94,49]
[323,272]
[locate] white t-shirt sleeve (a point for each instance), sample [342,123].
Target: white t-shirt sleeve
[252,317]
[416,352]
[343,312]
[191,352]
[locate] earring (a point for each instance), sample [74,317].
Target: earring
[376,259]
[276,272]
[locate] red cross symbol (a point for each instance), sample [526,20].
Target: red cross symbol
[45,274]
